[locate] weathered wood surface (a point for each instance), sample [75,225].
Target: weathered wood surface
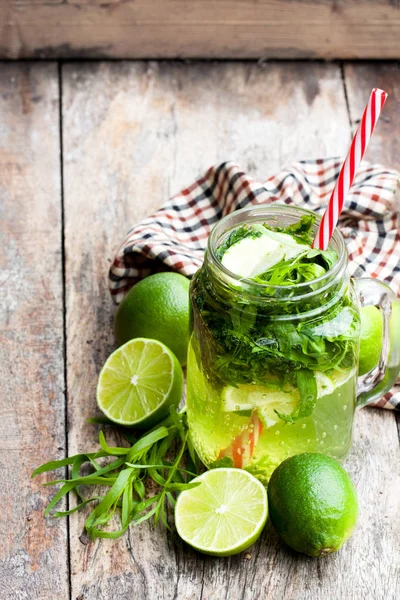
[384,146]
[199,29]
[133,134]
[33,552]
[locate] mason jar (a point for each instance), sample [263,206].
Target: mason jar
[272,371]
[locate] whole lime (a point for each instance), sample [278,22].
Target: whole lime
[312,503]
[158,308]
[371,336]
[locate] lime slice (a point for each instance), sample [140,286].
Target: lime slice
[247,397]
[244,398]
[225,514]
[254,255]
[139,382]
[325,384]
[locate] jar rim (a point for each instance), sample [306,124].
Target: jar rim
[257,213]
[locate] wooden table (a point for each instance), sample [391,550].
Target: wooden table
[86,151]
[64,29]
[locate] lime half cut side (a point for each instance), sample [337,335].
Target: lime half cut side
[225,514]
[139,382]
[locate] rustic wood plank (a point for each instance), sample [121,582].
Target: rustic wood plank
[199,29]
[384,146]
[33,552]
[133,134]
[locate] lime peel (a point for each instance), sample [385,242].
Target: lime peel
[157,307]
[371,336]
[312,503]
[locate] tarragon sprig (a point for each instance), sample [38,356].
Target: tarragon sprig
[125,476]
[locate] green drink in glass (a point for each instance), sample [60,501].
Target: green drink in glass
[273,353]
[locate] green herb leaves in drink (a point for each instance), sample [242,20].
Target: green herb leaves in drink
[301,231]
[243,342]
[308,397]
[124,475]
[306,266]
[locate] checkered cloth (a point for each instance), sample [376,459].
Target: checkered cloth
[174,237]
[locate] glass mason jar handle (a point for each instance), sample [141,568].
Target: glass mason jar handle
[379,380]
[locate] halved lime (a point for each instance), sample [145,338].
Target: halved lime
[225,514]
[139,382]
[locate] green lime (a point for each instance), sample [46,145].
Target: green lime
[158,308]
[225,514]
[395,322]
[312,503]
[370,338]
[139,382]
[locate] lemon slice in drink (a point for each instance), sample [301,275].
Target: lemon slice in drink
[139,382]
[225,514]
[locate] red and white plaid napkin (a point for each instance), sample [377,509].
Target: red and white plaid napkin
[175,237]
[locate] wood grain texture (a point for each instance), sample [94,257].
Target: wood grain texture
[360,79]
[133,134]
[33,552]
[199,29]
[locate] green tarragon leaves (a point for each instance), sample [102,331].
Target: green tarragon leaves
[125,474]
[246,345]
[308,397]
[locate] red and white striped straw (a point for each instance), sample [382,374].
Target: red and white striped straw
[349,168]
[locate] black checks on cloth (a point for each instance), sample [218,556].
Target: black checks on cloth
[175,237]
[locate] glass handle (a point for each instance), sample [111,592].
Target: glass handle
[379,380]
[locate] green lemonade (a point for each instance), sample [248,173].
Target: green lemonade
[273,353]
